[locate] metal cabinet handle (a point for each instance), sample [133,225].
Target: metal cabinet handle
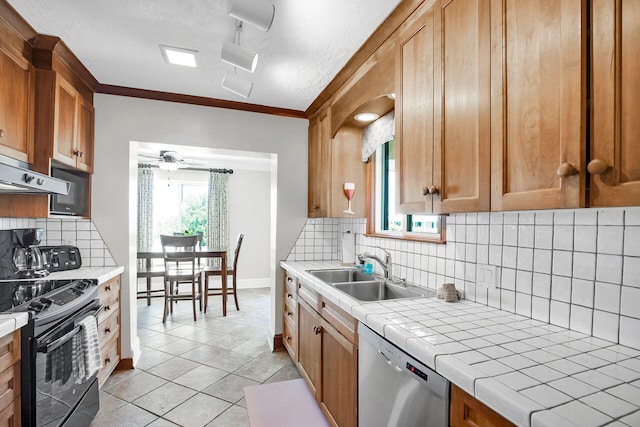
[566,170]
[107,360]
[289,295]
[433,190]
[107,308]
[107,330]
[597,167]
[425,191]
[317,329]
[107,288]
[289,313]
[288,337]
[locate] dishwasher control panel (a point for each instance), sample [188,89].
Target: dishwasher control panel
[417,371]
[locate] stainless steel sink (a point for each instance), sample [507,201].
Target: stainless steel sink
[341,275]
[377,290]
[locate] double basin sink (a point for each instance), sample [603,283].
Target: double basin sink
[363,286]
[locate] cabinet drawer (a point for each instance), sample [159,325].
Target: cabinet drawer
[290,339]
[341,320]
[309,296]
[9,350]
[10,415]
[109,291]
[110,358]
[290,286]
[108,310]
[108,328]
[9,385]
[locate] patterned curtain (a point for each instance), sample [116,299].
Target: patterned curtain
[376,134]
[218,214]
[145,207]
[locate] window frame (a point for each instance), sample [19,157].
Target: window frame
[371,231]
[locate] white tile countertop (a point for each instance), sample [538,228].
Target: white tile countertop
[101,274]
[11,322]
[532,373]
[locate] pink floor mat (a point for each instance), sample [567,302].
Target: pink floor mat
[283,404]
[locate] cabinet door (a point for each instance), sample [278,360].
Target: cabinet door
[538,104]
[615,164]
[339,378]
[17,86]
[415,115]
[65,123]
[319,165]
[309,343]
[462,74]
[467,411]
[84,146]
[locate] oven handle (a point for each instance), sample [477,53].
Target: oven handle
[46,348]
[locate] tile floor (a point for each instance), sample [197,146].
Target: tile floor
[193,373]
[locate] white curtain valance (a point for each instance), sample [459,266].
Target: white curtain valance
[376,134]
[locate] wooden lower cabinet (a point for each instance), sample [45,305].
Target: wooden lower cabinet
[322,340]
[309,347]
[467,411]
[339,397]
[10,379]
[109,327]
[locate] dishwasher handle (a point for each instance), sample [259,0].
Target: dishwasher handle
[390,362]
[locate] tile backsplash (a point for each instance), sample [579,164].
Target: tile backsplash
[76,232]
[578,269]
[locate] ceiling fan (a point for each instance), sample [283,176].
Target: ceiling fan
[171,160]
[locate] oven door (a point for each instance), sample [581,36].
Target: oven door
[61,380]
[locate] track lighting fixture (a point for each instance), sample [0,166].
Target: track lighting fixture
[237,85]
[254,12]
[239,56]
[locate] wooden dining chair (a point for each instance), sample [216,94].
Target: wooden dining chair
[180,267]
[231,271]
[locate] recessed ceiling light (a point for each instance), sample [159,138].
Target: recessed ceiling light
[391,95]
[366,117]
[179,56]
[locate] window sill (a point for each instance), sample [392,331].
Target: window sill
[410,236]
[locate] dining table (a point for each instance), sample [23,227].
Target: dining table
[149,270]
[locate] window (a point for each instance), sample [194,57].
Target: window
[179,207]
[387,221]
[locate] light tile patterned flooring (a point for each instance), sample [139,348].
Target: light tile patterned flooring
[193,373]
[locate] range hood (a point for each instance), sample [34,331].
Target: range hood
[17,179]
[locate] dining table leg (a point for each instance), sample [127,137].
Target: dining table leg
[223,268]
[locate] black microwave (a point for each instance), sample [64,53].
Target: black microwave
[74,203]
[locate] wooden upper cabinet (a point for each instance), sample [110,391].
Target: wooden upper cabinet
[414,115]
[347,166]
[73,141]
[319,164]
[538,104]
[462,127]
[615,154]
[17,100]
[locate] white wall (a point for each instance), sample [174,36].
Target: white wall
[249,207]
[120,120]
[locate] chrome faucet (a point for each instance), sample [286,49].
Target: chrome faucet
[387,266]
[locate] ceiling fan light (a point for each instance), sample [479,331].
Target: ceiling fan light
[237,85]
[254,12]
[239,56]
[167,166]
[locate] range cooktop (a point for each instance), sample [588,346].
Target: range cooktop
[44,298]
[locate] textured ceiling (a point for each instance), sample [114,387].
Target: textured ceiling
[118,41]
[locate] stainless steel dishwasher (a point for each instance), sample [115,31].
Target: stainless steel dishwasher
[394,389]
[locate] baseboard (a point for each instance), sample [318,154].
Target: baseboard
[124,364]
[277,343]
